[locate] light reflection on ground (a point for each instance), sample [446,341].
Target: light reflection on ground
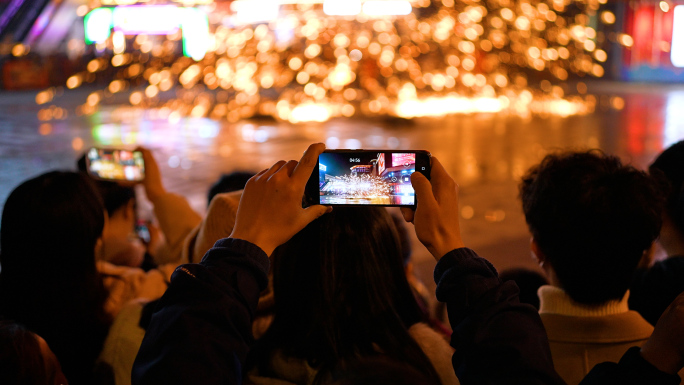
[485,153]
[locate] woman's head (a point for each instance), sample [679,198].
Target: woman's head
[26,359]
[341,291]
[53,215]
[49,282]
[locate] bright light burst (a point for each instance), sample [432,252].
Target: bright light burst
[358,186]
[445,57]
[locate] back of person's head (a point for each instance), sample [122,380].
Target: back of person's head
[528,281]
[592,218]
[49,282]
[234,181]
[114,195]
[341,293]
[669,166]
[23,361]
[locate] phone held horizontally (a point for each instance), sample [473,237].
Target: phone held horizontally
[115,164]
[366,177]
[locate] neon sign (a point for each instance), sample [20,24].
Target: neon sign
[254,11]
[151,20]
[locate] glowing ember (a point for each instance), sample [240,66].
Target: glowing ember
[445,57]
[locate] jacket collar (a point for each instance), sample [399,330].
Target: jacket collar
[554,300]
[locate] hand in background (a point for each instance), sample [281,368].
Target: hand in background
[152,182]
[665,348]
[436,215]
[270,210]
[156,239]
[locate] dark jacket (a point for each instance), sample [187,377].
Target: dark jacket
[654,289]
[201,331]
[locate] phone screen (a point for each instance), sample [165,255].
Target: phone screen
[116,164]
[367,177]
[143,231]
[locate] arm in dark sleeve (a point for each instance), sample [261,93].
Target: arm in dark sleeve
[201,331]
[631,370]
[497,339]
[653,289]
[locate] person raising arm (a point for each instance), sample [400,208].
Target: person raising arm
[201,331]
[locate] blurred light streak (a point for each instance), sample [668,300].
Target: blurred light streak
[674,119]
[387,8]
[310,112]
[147,19]
[342,7]
[677,49]
[436,106]
[255,11]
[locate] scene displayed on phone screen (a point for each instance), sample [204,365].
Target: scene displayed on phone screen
[366,178]
[116,164]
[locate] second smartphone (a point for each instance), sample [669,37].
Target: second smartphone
[115,164]
[366,177]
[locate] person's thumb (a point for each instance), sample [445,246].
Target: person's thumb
[422,186]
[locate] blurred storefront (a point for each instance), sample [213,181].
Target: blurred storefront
[649,46]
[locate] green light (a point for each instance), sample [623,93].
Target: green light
[193,22]
[98,25]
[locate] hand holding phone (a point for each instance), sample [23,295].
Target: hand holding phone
[115,164]
[270,210]
[366,177]
[436,216]
[154,188]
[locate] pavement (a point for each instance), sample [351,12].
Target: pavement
[485,153]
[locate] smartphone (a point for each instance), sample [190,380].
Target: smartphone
[115,164]
[142,230]
[366,177]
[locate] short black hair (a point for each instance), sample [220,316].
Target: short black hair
[234,181]
[669,168]
[593,218]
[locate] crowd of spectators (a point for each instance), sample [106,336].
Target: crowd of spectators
[264,291]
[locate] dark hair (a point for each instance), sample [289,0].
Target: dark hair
[49,281]
[592,218]
[381,370]
[341,294]
[21,360]
[234,181]
[528,281]
[404,237]
[669,167]
[114,195]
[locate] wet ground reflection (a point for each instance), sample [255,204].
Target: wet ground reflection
[485,153]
